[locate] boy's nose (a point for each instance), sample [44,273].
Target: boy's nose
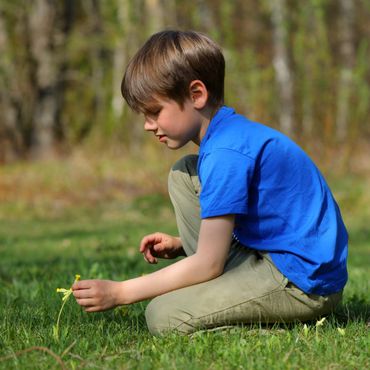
[150,125]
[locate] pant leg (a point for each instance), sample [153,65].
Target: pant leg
[251,289]
[184,189]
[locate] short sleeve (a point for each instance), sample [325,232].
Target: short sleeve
[225,177]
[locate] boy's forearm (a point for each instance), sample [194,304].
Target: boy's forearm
[207,263]
[189,271]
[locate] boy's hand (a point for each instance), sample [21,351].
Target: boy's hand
[160,245]
[97,295]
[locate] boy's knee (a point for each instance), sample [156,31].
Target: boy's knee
[184,173]
[162,318]
[158,318]
[187,164]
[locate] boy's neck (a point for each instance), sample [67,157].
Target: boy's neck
[207,114]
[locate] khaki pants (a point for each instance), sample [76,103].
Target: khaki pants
[251,289]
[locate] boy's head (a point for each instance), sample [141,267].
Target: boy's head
[167,63]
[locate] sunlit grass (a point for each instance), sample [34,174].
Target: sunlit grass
[42,248]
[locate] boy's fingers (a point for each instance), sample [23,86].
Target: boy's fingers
[145,242]
[159,247]
[86,302]
[82,293]
[150,240]
[93,309]
[145,258]
[149,257]
[82,284]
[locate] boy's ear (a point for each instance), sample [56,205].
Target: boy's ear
[198,94]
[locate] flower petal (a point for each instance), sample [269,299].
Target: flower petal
[62,290]
[342,331]
[66,295]
[305,329]
[320,322]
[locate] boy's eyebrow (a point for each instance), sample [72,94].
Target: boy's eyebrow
[151,107]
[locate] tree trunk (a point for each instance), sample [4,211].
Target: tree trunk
[155,15]
[347,54]
[281,65]
[97,56]
[120,56]
[42,28]
[10,138]
[306,65]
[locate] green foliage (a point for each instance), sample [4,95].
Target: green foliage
[100,37]
[40,254]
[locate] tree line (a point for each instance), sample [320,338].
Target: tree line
[300,66]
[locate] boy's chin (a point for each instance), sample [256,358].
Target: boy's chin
[173,145]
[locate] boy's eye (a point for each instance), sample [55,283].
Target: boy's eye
[153,113]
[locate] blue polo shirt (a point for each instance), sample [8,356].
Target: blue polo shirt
[282,203]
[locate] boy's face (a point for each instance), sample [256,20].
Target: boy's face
[173,125]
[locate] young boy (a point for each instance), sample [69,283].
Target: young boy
[262,233]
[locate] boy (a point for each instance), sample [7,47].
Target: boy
[263,237]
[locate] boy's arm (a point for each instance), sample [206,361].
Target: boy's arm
[208,263]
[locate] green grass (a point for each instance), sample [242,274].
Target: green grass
[42,252]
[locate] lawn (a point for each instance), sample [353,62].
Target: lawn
[41,251]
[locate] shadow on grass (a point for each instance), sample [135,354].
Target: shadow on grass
[354,309]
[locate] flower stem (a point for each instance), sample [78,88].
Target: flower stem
[56,334]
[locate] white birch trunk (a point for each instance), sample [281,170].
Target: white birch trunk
[95,21]
[345,83]
[281,65]
[308,66]
[120,57]
[154,10]
[10,138]
[42,25]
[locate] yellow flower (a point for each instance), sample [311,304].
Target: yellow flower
[66,295]
[67,292]
[320,322]
[305,330]
[62,290]
[341,331]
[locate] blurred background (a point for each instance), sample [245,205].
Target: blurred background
[81,182]
[299,66]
